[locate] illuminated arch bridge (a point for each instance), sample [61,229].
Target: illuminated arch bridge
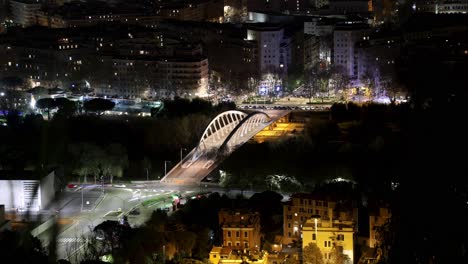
[223,135]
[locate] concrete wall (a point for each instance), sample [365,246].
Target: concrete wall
[12,193]
[47,189]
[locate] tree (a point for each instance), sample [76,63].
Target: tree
[337,256]
[114,162]
[66,108]
[86,158]
[98,105]
[22,247]
[311,81]
[46,104]
[311,254]
[340,81]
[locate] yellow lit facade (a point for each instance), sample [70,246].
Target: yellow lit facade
[225,255]
[298,209]
[327,234]
[241,228]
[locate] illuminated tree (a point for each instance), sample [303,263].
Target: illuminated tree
[311,254]
[337,256]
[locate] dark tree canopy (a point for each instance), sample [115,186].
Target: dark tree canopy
[98,105]
[11,81]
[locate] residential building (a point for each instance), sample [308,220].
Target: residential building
[442,6]
[303,206]
[377,221]
[298,209]
[81,14]
[331,236]
[23,12]
[182,11]
[345,37]
[350,6]
[269,40]
[241,229]
[241,238]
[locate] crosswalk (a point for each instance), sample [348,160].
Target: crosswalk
[70,240]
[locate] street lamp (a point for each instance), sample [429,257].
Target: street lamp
[316,218]
[165,167]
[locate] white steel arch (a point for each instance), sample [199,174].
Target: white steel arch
[217,131]
[247,128]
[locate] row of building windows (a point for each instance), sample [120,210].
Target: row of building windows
[246,234]
[246,244]
[339,237]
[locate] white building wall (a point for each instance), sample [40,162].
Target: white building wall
[269,44]
[344,50]
[19,194]
[11,194]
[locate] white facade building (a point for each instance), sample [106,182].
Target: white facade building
[345,52]
[22,193]
[269,40]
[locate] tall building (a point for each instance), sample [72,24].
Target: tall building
[269,39]
[442,6]
[345,54]
[23,12]
[241,228]
[332,236]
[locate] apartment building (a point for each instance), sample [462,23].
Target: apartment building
[23,12]
[241,228]
[332,236]
[345,37]
[303,206]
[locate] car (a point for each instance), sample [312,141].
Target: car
[71,186]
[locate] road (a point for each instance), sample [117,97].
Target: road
[71,237]
[96,205]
